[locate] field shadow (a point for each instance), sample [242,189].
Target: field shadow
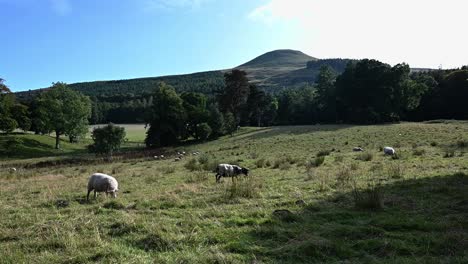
[424,220]
[291,130]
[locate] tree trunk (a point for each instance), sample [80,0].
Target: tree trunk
[57,140]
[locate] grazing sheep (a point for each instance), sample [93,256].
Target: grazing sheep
[100,182]
[13,170]
[227,170]
[358,149]
[177,159]
[156,157]
[389,151]
[161,157]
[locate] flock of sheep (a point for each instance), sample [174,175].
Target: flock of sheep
[100,182]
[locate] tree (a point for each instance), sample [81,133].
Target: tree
[230,124]
[3,88]
[107,140]
[64,111]
[255,105]
[202,131]
[7,101]
[326,96]
[216,121]
[234,95]
[21,114]
[195,109]
[166,117]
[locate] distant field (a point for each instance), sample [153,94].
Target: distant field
[332,205]
[135,132]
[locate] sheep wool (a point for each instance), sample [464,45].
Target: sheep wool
[100,182]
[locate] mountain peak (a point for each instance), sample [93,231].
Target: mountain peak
[279,58]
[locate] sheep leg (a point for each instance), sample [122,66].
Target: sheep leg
[95,195]
[87,196]
[218,177]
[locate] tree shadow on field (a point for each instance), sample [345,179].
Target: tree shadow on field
[292,130]
[424,220]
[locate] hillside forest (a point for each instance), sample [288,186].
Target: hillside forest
[216,103]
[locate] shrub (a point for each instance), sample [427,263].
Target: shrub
[107,140]
[318,161]
[433,143]
[365,156]
[193,165]
[202,131]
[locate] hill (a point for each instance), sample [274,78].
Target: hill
[309,199]
[271,71]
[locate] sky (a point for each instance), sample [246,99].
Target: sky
[45,41]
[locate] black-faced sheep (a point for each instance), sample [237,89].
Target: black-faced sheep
[227,170]
[389,151]
[100,182]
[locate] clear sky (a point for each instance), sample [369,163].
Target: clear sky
[44,41]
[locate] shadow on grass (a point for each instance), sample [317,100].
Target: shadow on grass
[292,130]
[423,220]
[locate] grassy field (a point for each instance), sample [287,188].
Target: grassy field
[30,146]
[310,199]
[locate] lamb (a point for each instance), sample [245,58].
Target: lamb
[389,151]
[100,182]
[227,170]
[358,149]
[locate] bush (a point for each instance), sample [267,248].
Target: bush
[107,139]
[317,161]
[433,143]
[365,156]
[202,131]
[193,165]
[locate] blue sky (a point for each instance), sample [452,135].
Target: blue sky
[45,41]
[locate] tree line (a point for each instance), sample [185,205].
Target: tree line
[366,92]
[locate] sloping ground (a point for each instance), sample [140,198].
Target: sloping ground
[352,208]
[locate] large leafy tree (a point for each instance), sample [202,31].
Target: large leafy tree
[64,111]
[373,92]
[196,111]
[326,95]
[234,95]
[7,102]
[166,118]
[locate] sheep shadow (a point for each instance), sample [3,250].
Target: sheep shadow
[422,220]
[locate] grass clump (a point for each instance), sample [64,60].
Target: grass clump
[245,187]
[365,156]
[155,242]
[419,151]
[316,162]
[395,171]
[370,198]
[323,153]
[116,205]
[449,153]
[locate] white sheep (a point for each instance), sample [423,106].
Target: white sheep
[100,182]
[13,170]
[389,151]
[176,159]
